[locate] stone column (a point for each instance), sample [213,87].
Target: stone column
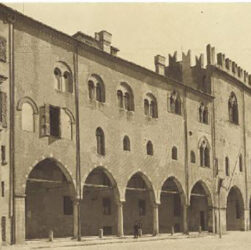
[155,219]
[76,220]
[185,220]
[246,219]
[120,221]
[19,219]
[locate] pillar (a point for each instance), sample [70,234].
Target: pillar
[185,221]
[155,219]
[76,220]
[19,219]
[120,221]
[246,219]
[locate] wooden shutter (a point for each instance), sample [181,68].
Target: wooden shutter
[3,109]
[45,120]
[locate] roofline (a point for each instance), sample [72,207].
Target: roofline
[102,53]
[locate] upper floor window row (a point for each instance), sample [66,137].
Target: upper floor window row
[63,77]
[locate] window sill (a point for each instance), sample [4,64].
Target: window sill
[4,163]
[64,92]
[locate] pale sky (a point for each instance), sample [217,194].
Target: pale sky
[143,30]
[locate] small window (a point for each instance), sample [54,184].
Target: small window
[227,166]
[58,76]
[142,207]
[3,154]
[2,188]
[150,106]
[149,148]
[175,103]
[100,141]
[126,144]
[68,205]
[68,84]
[203,114]
[192,157]
[120,98]
[233,109]
[55,121]
[3,227]
[91,90]
[146,107]
[204,154]
[174,153]
[240,163]
[106,206]
[127,101]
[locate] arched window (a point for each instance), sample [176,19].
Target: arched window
[192,157]
[203,113]
[175,103]
[233,109]
[227,166]
[27,117]
[91,90]
[66,125]
[240,163]
[58,76]
[150,106]
[67,82]
[174,153]
[98,92]
[126,144]
[204,154]
[127,101]
[149,148]
[100,141]
[120,98]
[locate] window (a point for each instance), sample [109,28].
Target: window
[142,207]
[240,163]
[192,157]
[106,206]
[27,118]
[125,97]
[63,77]
[126,144]
[120,98]
[67,82]
[58,77]
[227,166]
[203,114]
[3,109]
[174,153]
[100,141]
[233,109]
[149,148]
[3,227]
[2,188]
[175,103]
[3,154]
[96,89]
[54,121]
[204,154]
[150,106]
[176,205]
[127,101]
[237,209]
[68,205]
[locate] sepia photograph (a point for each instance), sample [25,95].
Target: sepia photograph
[125,125]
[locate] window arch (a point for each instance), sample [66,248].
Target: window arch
[27,117]
[175,103]
[240,163]
[227,166]
[63,77]
[203,113]
[204,154]
[126,144]
[233,109]
[96,88]
[150,106]
[125,97]
[174,153]
[192,157]
[100,141]
[149,148]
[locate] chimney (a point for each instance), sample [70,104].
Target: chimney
[105,39]
[160,62]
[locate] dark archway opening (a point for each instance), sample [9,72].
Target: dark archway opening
[171,207]
[138,207]
[235,210]
[200,212]
[49,201]
[99,204]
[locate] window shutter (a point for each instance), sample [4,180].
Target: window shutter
[3,109]
[45,120]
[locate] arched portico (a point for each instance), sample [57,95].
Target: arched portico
[171,207]
[139,205]
[200,215]
[235,209]
[49,201]
[99,204]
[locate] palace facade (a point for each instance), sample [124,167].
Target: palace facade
[91,141]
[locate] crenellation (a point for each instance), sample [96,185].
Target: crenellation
[210,55]
[199,61]
[249,79]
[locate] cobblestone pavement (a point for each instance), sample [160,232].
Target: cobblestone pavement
[230,241]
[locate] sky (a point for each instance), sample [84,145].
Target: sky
[143,30]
